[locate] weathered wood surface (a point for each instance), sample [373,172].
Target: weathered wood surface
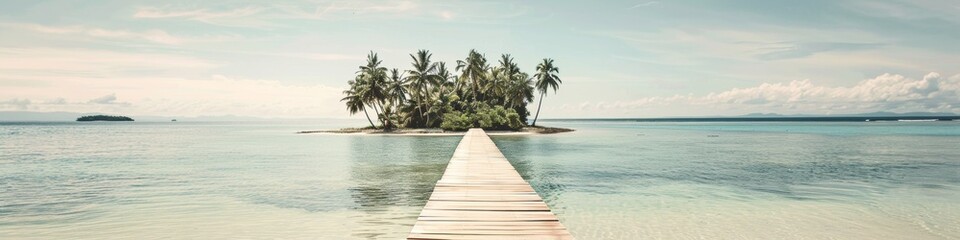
[481,196]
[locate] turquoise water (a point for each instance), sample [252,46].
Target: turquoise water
[608,180]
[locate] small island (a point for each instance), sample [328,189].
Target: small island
[103,118]
[433,97]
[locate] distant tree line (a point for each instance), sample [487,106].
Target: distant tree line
[103,118]
[430,95]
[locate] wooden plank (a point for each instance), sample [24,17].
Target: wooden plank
[426,236]
[489,225]
[478,187]
[492,225]
[481,196]
[504,216]
[493,206]
[485,198]
[442,230]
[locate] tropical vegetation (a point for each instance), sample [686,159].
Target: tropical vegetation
[473,94]
[103,118]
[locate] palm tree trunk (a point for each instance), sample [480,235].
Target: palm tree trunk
[538,110]
[420,105]
[368,118]
[386,120]
[426,115]
[396,109]
[374,105]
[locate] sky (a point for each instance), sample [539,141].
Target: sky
[292,59]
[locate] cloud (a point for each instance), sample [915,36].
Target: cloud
[56,61]
[212,96]
[153,35]
[56,101]
[740,45]
[805,49]
[769,53]
[237,17]
[317,56]
[254,16]
[887,92]
[198,14]
[361,7]
[446,15]
[278,14]
[108,99]
[906,9]
[156,36]
[645,4]
[16,104]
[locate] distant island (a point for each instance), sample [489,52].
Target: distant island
[475,94]
[103,118]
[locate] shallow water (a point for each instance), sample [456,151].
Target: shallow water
[608,180]
[749,180]
[211,180]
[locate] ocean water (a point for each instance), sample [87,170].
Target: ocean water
[607,180]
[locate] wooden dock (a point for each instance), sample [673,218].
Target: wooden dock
[481,196]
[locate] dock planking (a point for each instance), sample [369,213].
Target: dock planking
[481,196]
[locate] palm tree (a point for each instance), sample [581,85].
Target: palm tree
[396,91]
[519,86]
[501,78]
[492,90]
[430,92]
[519,91]
[473,69]
[507,65]
[355,103]
[546,78]
[445,78]
[421,77]
[373,90]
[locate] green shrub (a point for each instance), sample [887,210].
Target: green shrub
[513,120]
[495,118]
[456,121]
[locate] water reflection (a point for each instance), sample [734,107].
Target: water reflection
[392,179]
[544,177]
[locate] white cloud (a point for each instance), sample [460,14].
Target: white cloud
[887,92]
[153,35]
[645,4]
[16,104]
[150,35]
[772,53]
[45,61]
[446,15]
[269,15]
[907,9]
[91,80]
[362,7]
[56,101]
[238,17]
[252,16]
[216,95]
[198,14]
[108,99]
[742,45]
[318,56]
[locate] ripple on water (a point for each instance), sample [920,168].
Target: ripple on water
[260,181]
[675,184]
